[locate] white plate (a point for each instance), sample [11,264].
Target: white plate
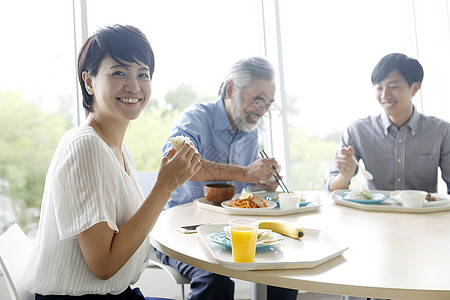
[271,205]
[436,203]
[440,199]
[315,248]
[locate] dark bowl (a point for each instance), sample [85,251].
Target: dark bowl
[219,192]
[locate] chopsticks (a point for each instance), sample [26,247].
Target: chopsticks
[276,175]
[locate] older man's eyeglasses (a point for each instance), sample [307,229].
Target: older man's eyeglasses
[260,103]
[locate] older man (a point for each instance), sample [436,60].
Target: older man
[225,133]
[401,147]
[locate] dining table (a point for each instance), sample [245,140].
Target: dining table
[390,254]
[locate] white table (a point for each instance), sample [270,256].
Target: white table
[390,255]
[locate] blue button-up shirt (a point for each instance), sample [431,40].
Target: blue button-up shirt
[208,127]
[400,158]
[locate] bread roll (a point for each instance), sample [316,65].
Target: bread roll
[177,141]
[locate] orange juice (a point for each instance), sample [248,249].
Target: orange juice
[243,243]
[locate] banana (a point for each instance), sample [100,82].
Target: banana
[284,228]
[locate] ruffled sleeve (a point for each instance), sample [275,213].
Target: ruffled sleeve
[84,186]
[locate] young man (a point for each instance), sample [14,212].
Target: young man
[401,147]
[224,132]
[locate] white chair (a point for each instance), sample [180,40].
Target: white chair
[15,251]
[154,263]
[147,181]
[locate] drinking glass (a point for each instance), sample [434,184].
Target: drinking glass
[243,239]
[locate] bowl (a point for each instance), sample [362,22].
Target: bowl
[414,199]
[219,192]
[289,200]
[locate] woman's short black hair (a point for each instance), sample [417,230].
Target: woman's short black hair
[122,43]
[409,67]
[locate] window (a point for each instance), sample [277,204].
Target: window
[324,51]
[329,49]
[195,44]
[37,103]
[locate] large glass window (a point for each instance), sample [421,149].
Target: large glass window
[329,49]
[195,44]
[37,104]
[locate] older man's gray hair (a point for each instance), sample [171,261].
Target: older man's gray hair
[246,70]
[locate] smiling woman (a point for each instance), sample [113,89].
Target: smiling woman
[93,239]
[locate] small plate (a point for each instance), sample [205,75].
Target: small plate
[221,238]
[271,204]
[307,200]
[439,199]
[377,198]
[300,205]
[273,198]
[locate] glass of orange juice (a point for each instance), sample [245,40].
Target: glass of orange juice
[243,239]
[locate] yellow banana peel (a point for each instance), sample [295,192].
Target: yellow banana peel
[283,227]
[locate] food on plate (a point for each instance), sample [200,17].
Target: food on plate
[177,141]
[248,201]
[263,234]
[268,238]
[270,241]
[283,227]
[430,198]
[363,194]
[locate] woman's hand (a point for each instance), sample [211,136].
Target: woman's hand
[178,167]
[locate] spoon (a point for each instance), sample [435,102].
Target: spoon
[366,173]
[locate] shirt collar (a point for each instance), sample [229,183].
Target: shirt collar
[221,121]
[412,122]
[386,123]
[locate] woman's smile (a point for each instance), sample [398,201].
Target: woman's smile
[132,100]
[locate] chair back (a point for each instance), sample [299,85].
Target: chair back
[147,180]
[15,252]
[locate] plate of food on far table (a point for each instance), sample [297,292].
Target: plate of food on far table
[363,196]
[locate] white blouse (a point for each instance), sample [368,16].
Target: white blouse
[85,185]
